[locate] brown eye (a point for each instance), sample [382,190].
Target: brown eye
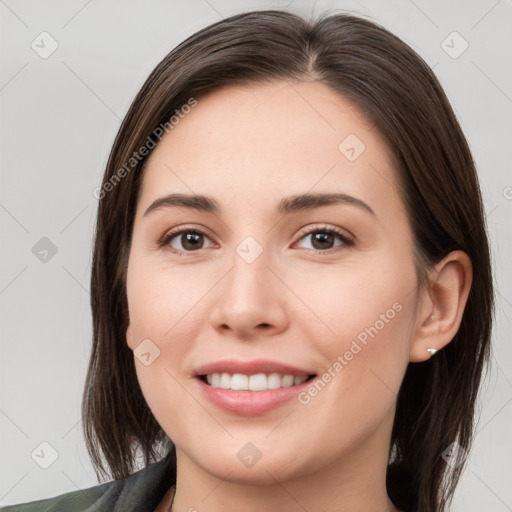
[191,241]
[323,240]
[185,241]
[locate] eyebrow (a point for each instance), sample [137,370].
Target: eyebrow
[285,206]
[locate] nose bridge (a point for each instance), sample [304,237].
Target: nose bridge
[251,295]
[251,253]
[249,277]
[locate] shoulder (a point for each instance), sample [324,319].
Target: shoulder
[142,491]
[81,500]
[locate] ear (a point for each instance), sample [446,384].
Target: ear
[129,336]
[442,304]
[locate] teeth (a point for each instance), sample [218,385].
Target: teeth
[274,381]
[257,382]
[239,381]
[299,380]
[225,381]
[287,381]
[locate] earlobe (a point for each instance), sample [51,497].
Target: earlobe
[442,305]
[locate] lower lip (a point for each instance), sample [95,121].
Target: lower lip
[250,403]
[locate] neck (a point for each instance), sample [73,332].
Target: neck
[355,482]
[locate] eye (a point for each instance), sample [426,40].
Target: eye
[323,239]
[184,240]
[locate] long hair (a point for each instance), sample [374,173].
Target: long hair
[398,92]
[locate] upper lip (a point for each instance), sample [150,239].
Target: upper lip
[253,367]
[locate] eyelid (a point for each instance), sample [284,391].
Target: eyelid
[326,227]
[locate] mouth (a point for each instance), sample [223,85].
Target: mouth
[251,388]
[254,382]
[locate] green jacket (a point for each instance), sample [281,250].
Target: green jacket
[140,492]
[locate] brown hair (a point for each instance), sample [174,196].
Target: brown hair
[397,90]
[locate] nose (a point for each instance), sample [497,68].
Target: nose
[250,301]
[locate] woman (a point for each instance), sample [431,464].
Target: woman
[291,285]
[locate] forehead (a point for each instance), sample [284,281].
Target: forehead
[242,144]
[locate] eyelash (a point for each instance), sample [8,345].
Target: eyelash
[347,242]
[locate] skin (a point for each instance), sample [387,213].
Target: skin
[248,147]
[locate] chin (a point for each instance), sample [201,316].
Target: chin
[245,463]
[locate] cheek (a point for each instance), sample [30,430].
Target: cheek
[164,309]
[362,302]
[364,368]
[161,297]
[370,313]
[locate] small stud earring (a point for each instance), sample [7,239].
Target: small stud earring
[431,351]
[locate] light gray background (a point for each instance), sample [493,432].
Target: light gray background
[59,119]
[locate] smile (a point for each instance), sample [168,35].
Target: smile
[256,382]
[251,388]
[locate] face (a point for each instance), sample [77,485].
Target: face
[264,291]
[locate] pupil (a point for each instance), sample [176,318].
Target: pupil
[322,238]
[192,239]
